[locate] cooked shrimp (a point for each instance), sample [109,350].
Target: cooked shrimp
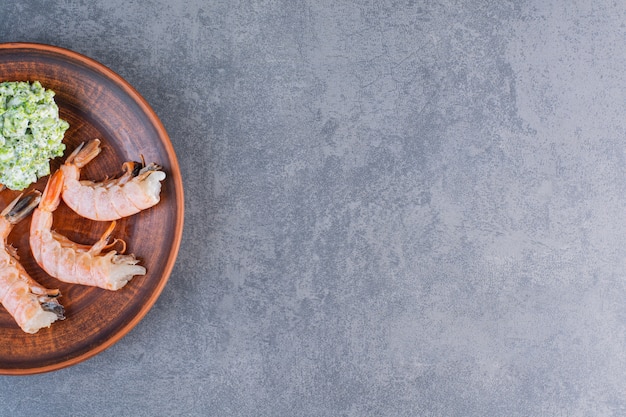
[32,306]
[72,262]
[137,189]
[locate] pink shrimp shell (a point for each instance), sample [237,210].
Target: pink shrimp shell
[106,201]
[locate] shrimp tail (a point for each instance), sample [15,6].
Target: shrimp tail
[53,306]
[83,154]
[48,301]
[48,310]
[21,207]
[52,193]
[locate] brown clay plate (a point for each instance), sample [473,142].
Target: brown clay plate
[97,103]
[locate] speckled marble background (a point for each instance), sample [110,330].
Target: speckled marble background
[393,208]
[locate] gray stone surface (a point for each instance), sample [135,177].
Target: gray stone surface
[395,208]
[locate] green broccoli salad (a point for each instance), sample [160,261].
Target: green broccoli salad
[31,133]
